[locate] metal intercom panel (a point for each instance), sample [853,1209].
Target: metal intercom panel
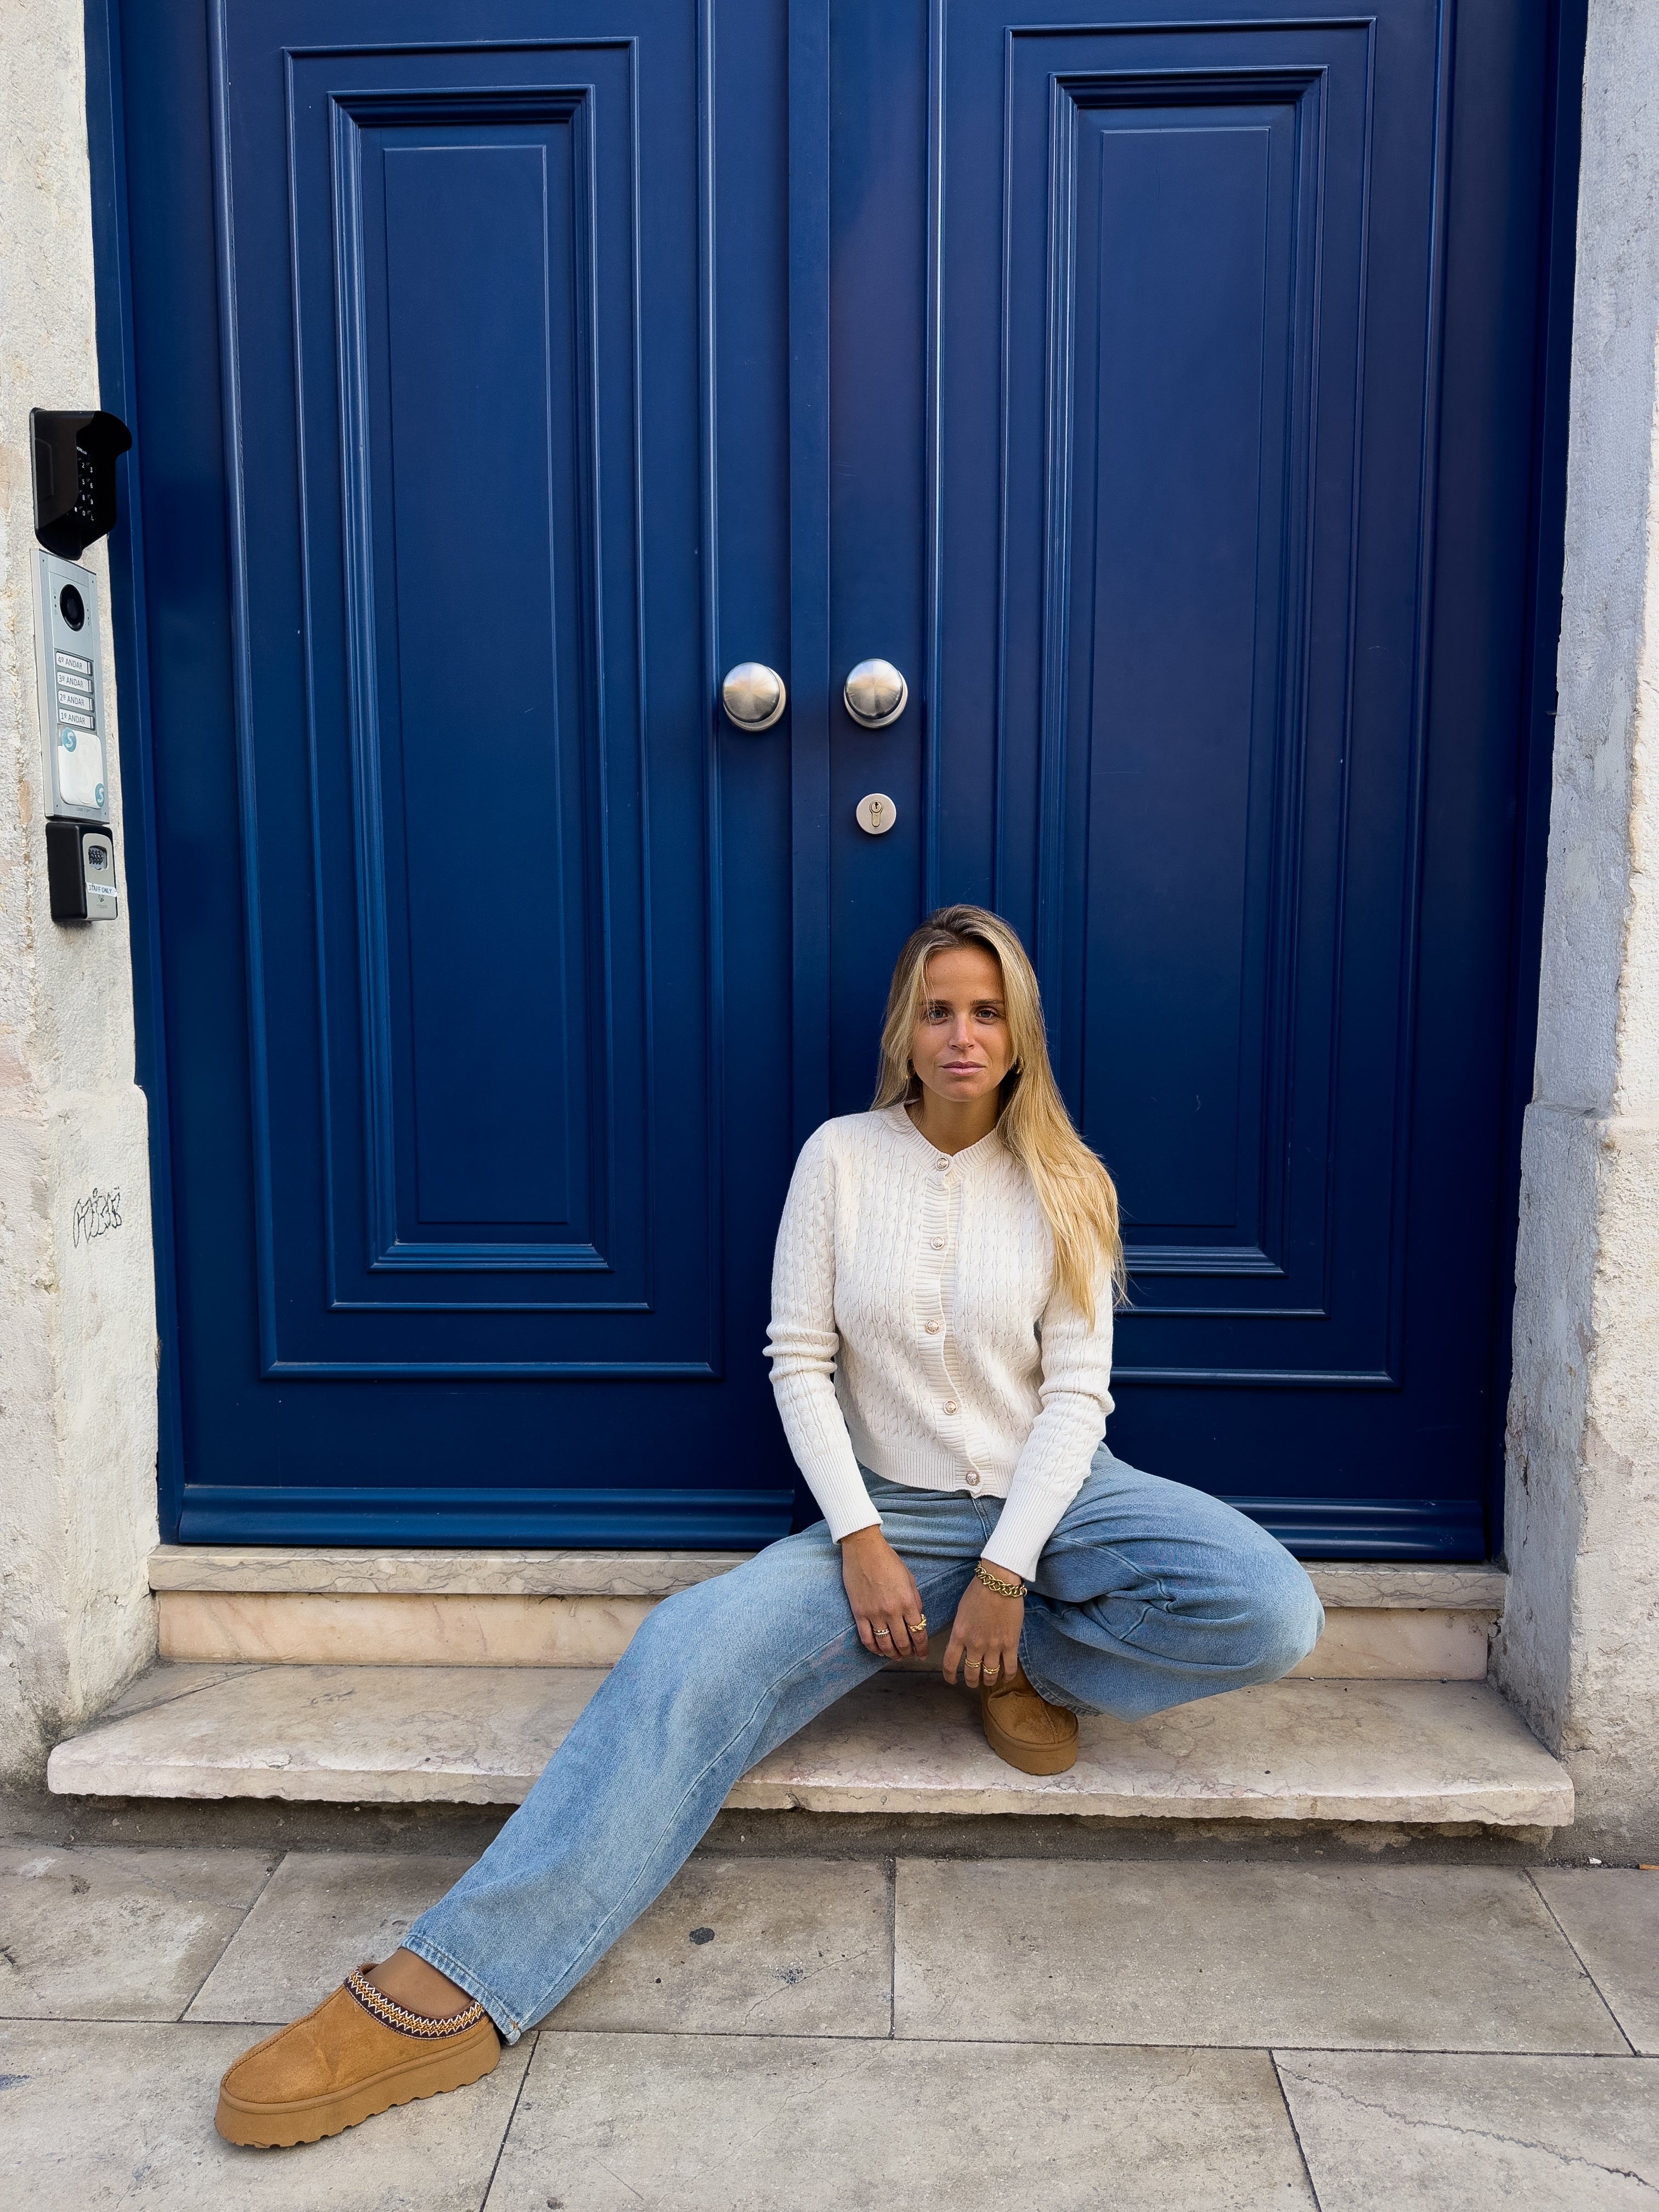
[70,674]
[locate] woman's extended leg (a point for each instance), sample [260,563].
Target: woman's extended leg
[1150,1594]
[711,1681]
[713,1678]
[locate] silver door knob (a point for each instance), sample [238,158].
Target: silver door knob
[753,694]
[876,694]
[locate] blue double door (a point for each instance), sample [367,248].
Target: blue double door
[1155,385]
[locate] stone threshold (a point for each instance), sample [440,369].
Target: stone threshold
[1314,1750]
[1376,1584]
[291,1605]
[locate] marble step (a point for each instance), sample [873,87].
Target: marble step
[299,1606]
[1311,1750]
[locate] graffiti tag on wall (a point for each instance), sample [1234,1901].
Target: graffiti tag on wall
[97,1215]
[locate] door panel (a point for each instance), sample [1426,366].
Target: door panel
[1188,515]
[1190,289]
[1169,763]
[513,902]
[457,237]
[465,237]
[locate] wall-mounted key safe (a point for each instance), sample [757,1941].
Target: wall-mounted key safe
[75,457]
[80,873]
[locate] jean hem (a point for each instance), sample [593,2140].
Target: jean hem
[463,1976]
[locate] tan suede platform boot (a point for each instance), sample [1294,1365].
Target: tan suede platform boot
[356,2054]
[1025,1730]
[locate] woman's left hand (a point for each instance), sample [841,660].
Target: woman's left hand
[985,1634]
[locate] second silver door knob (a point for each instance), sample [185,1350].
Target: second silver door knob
[876,694]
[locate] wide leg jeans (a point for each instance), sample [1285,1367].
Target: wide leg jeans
[1148,1594]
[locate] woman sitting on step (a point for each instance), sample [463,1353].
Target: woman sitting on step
[941,1345]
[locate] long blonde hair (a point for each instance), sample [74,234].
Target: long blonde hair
[1078,1197]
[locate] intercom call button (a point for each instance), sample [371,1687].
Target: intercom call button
[73,660]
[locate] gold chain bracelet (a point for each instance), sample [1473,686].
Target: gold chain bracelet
[982,1573]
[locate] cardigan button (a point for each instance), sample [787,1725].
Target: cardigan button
[938,1243]
[949,1405]
[942,1164]
[934,1327]
[973,1477]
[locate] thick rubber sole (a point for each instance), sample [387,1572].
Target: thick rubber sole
[280,2127]
[1029,1757]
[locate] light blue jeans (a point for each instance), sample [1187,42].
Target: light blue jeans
[1147,1594]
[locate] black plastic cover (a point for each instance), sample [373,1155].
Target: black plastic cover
[74,457]
[66,882]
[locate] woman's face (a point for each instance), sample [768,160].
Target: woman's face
[960,1047]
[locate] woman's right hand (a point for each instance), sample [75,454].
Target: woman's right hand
[882,1593]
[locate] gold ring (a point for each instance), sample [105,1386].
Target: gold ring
[884,1632]
[915,1627]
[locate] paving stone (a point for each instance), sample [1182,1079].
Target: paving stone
[1611,1915]
[142,2099]
[750,1946]
[799,1947]
[108,1933]
[322,1913]
[1431,2131]
[1396,1957]
[734,2123]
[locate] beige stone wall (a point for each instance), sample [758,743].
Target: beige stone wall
[77,1317]
[1580,1648]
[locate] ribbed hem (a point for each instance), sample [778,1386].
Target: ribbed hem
[921,1464]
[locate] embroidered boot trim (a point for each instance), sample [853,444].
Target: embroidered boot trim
[409,2023]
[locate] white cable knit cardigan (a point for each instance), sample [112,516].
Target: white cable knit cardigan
[914,1330]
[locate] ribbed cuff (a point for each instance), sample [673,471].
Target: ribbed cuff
[1024,1527]
[844,1514]
[817,1430]
[836,1481]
